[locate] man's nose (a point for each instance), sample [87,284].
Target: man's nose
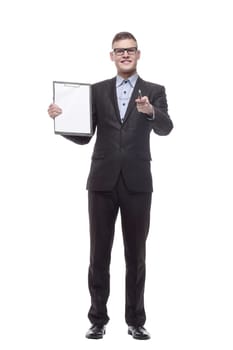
[125,53]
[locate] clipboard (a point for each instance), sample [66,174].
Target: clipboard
[75,102]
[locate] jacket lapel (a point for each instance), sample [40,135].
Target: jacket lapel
[133,97]
[131,105]
[113,97]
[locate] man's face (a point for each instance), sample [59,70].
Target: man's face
[125,61]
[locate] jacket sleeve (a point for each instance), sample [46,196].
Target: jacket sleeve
[83,140]
[162,124]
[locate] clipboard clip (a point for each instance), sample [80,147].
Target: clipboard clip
[71,85]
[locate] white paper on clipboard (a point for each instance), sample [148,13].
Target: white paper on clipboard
[75,101]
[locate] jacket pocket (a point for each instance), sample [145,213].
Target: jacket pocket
[97,156]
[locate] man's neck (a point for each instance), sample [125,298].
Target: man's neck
[127,75]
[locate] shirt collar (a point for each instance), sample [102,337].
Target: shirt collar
[132,80]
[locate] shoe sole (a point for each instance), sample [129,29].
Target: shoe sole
[100,337]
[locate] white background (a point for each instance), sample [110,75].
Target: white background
[44,248]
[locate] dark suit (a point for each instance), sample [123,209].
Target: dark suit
[120,178]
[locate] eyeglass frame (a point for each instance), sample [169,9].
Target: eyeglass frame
[121,53]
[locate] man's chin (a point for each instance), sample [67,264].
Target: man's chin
[128,70]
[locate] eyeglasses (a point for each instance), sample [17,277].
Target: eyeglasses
[130,51]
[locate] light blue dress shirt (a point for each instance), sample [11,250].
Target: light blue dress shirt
[124,89]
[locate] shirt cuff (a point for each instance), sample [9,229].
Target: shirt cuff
[151,117]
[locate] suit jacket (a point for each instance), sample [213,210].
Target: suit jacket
[124,147]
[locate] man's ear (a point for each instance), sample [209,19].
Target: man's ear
[111,56]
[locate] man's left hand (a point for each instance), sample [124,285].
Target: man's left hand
[143,105]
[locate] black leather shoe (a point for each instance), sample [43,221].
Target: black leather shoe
[95,332]
[138,332]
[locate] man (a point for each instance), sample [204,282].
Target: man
[125,111]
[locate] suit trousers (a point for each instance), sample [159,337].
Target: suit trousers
[134,208]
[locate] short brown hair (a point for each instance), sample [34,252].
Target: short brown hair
[122,36]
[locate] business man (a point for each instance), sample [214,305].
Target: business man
[125,110]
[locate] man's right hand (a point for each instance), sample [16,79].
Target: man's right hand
[54,110]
